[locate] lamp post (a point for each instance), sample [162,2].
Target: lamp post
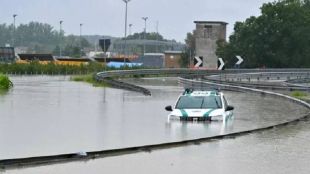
[125,47]
[81,25]
[144,37]
[14,19]
[157,35]
[60,38]
[130,25]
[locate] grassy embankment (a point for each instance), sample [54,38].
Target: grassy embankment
[5,83]
[300,95]
[88,78]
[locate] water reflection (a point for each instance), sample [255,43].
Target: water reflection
[185,128]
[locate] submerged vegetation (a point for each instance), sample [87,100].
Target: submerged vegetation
[88,78]
[5,82]
[299,94]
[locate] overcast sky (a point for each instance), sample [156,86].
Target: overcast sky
[106,17]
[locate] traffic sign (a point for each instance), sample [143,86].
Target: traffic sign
[198,62]
[222,64]
[240,60]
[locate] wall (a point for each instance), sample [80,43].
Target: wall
[207,33]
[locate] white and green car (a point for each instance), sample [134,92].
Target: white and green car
[200,106]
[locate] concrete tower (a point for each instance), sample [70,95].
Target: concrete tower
[207,33]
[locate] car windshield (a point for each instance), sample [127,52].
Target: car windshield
[199,102]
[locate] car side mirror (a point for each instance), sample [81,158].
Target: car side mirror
[229,108]
[168,108]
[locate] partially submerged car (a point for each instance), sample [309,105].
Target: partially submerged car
[194,105]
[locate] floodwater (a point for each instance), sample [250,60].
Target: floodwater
[45,115]
[283,150]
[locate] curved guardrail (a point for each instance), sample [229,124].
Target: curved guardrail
[226,74]
[285,86]
[261,76]
[101,154]
[184,71]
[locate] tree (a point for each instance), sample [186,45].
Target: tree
[278,38]
[148,36]
[188,51]
[40,38]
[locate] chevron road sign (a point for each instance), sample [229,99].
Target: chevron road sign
[198,62]
[222,64]
[240,60]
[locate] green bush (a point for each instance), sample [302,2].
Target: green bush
[5,82]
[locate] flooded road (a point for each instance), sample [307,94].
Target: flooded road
[51,115]
[278,151]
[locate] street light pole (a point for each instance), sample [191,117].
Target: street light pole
[145,19]
[125,47]
[81,39]
[157,35]
[13,42]
[130,25]
[60,38]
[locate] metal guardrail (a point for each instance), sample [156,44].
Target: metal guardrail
[261,76]
[105,76]
[191,72]
[199,84]
[285,86]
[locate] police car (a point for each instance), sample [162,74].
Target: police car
[194,105]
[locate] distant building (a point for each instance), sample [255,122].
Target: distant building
[151,60]
[141,46]
[172,59]
[7,54]
[207,33]
[36,57]
[21,50]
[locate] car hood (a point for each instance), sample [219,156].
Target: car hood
[196,112]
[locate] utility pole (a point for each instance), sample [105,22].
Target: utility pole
[130,25]
[13,41]
[81,40]
[60,37]
[125,47]
[105,54]
[145,19]
[157,39]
